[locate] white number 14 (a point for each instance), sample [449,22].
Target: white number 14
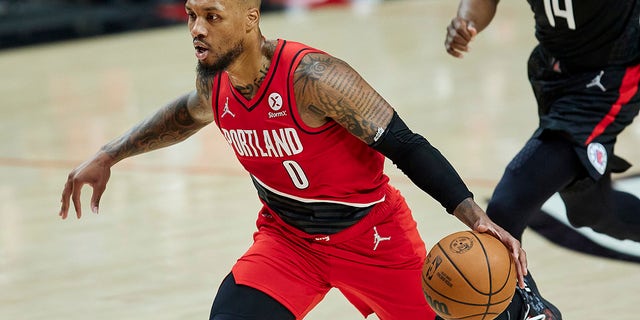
[552,9]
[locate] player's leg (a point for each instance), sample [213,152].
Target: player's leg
[593,117]
[379,270]
[399,297]
[544,166]
[597,205]
[279,266]
[238,302]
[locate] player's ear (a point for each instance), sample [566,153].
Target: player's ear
[253,18]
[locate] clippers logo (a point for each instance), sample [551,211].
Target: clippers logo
[461,244]
[275,103]
[597,156]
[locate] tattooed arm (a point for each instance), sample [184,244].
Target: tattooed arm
[327,88]
[171,124]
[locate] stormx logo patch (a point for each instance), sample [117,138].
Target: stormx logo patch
[275,103]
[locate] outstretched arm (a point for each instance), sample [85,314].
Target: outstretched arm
[171,124]
[328,88]
[472,17]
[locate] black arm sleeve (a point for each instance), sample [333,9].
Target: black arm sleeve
[422,163]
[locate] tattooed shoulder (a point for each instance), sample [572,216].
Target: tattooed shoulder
[316,65]
[328,86]
[320,86]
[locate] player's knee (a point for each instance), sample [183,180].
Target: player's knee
[238,302]
[503,206]
[585,203]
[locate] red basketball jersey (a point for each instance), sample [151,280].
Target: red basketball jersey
[287,157]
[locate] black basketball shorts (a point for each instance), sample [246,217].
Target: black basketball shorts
[590,107]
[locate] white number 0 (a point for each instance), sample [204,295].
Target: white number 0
[555,11]
[296,174]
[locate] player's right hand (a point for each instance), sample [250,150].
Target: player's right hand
[459,33]
[94,172]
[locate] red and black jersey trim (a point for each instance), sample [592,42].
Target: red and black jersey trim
[312,217]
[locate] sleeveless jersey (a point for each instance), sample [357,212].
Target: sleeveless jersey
[588,34]
[302,166]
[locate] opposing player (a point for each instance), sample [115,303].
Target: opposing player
[313,135]
[585,73]
[587,92]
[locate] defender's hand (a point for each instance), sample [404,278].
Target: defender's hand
[459,33]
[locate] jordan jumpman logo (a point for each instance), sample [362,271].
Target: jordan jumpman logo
[596,82]
[226,109]
[377,238]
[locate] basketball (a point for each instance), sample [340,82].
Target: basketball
[469,275]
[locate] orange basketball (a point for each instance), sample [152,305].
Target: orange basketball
[469,275]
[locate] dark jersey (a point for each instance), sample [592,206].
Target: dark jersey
[587,34]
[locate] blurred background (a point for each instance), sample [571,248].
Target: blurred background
[75,74]
[27,22]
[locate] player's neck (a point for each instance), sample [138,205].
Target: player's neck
[249,70]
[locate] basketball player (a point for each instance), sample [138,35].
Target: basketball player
[587,92]
[313,135]
[585,73]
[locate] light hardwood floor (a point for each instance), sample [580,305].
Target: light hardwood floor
[173,222]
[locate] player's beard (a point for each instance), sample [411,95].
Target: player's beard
[208,71]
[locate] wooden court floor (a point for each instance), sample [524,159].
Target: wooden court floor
[173,222]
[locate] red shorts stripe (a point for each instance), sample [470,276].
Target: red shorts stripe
[628,89]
